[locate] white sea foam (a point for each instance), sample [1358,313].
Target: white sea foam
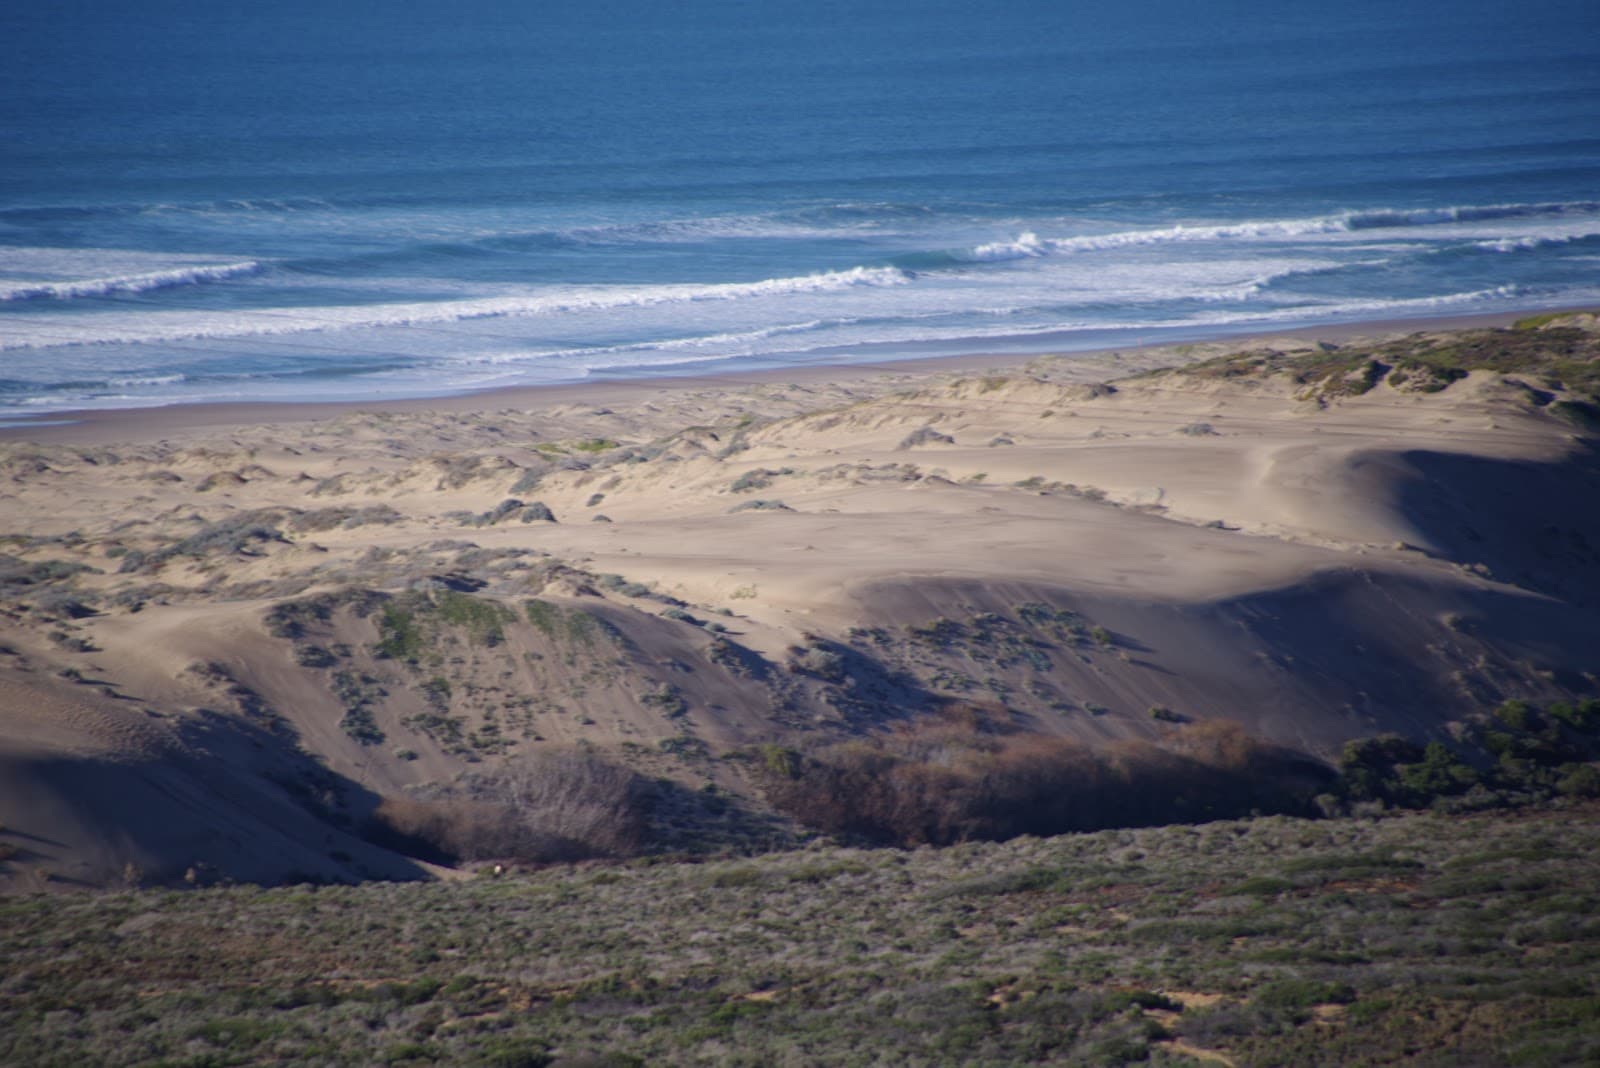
[1533,241]
[715,227]
[1026,246]
[119,279]
[741,341]
[1069,281]
[139,381]
[1359,220]
[181,326]
[1336,310]
[891,335]
[873,339]
[862,222]
[266,205]
[1330,311]
[1233,275]
[646,354]
[1029,244]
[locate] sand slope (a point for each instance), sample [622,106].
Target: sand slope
[233,642]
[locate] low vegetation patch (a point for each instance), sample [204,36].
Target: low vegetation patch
[758,478]
[322,519]
[1541,350]
[245,534]
[407,623]
[1419,939]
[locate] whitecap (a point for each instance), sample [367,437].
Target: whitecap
[182,326]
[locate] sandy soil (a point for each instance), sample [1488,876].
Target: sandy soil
[1067,541]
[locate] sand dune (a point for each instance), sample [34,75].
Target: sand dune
[225,644]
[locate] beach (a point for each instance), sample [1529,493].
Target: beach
[109,424]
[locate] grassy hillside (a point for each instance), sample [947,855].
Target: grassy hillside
[1422,939]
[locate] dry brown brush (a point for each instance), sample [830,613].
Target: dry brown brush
[949,782]
[539,809]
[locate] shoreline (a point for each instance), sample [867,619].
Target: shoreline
[104,426]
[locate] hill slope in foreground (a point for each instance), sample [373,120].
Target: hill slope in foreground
[1417,939]
[337,650]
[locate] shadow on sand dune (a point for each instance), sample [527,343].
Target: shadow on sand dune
[1534,525]
[1383,652]
[230,801]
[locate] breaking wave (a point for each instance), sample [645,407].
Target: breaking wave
[15,290]
[1029,244]
[181,326]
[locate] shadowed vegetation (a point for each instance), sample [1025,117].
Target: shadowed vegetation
[541,808]
[935,784]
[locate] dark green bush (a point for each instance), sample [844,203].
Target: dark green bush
[1304,993]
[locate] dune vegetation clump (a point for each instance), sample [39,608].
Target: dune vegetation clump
[1545,352]
[408,624]
[1514,754]
[761,505]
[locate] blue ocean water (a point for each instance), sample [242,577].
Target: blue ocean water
[361,199]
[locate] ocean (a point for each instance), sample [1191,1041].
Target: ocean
[364,200]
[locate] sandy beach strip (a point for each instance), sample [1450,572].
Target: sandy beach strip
[104,426]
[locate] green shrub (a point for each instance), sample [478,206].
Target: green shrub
[779,761]
[667,699]
[314,656]
[482,619]
[760,478]
[237,1033]
[594,445]
[1581,780]
[1583,717]
[1440,773]
[544,616]
[399,634]
[1517,715]
[512,1053]
[1304,993]
[537,512]
[1352,865]
[940,632]
[358,693]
